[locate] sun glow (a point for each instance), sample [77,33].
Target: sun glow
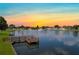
[44,19]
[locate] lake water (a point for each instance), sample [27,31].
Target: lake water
[51,42]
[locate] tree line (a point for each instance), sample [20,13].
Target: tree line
[4,25]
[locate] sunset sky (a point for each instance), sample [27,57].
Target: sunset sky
[41,14]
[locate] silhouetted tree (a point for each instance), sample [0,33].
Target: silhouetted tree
[3,23]
[27,27]
[44,27]
[37,27]
[57,26]
[12,26]
[76,27]
[21,26]
[65,27]
[68,27]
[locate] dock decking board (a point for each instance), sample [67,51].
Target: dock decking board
[19,39]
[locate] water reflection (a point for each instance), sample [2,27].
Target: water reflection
[57,32]
[61,51]
[33,46]
[75,33]
[51,42]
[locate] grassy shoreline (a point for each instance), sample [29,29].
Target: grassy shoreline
[5,45]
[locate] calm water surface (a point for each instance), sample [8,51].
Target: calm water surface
[50,42]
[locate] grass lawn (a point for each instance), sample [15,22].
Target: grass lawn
[5,45]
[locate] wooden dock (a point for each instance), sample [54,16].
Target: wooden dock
[27,39]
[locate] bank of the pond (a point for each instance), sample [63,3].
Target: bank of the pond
[5,45]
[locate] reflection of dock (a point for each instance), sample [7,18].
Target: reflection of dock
[20,39]
[35,45]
